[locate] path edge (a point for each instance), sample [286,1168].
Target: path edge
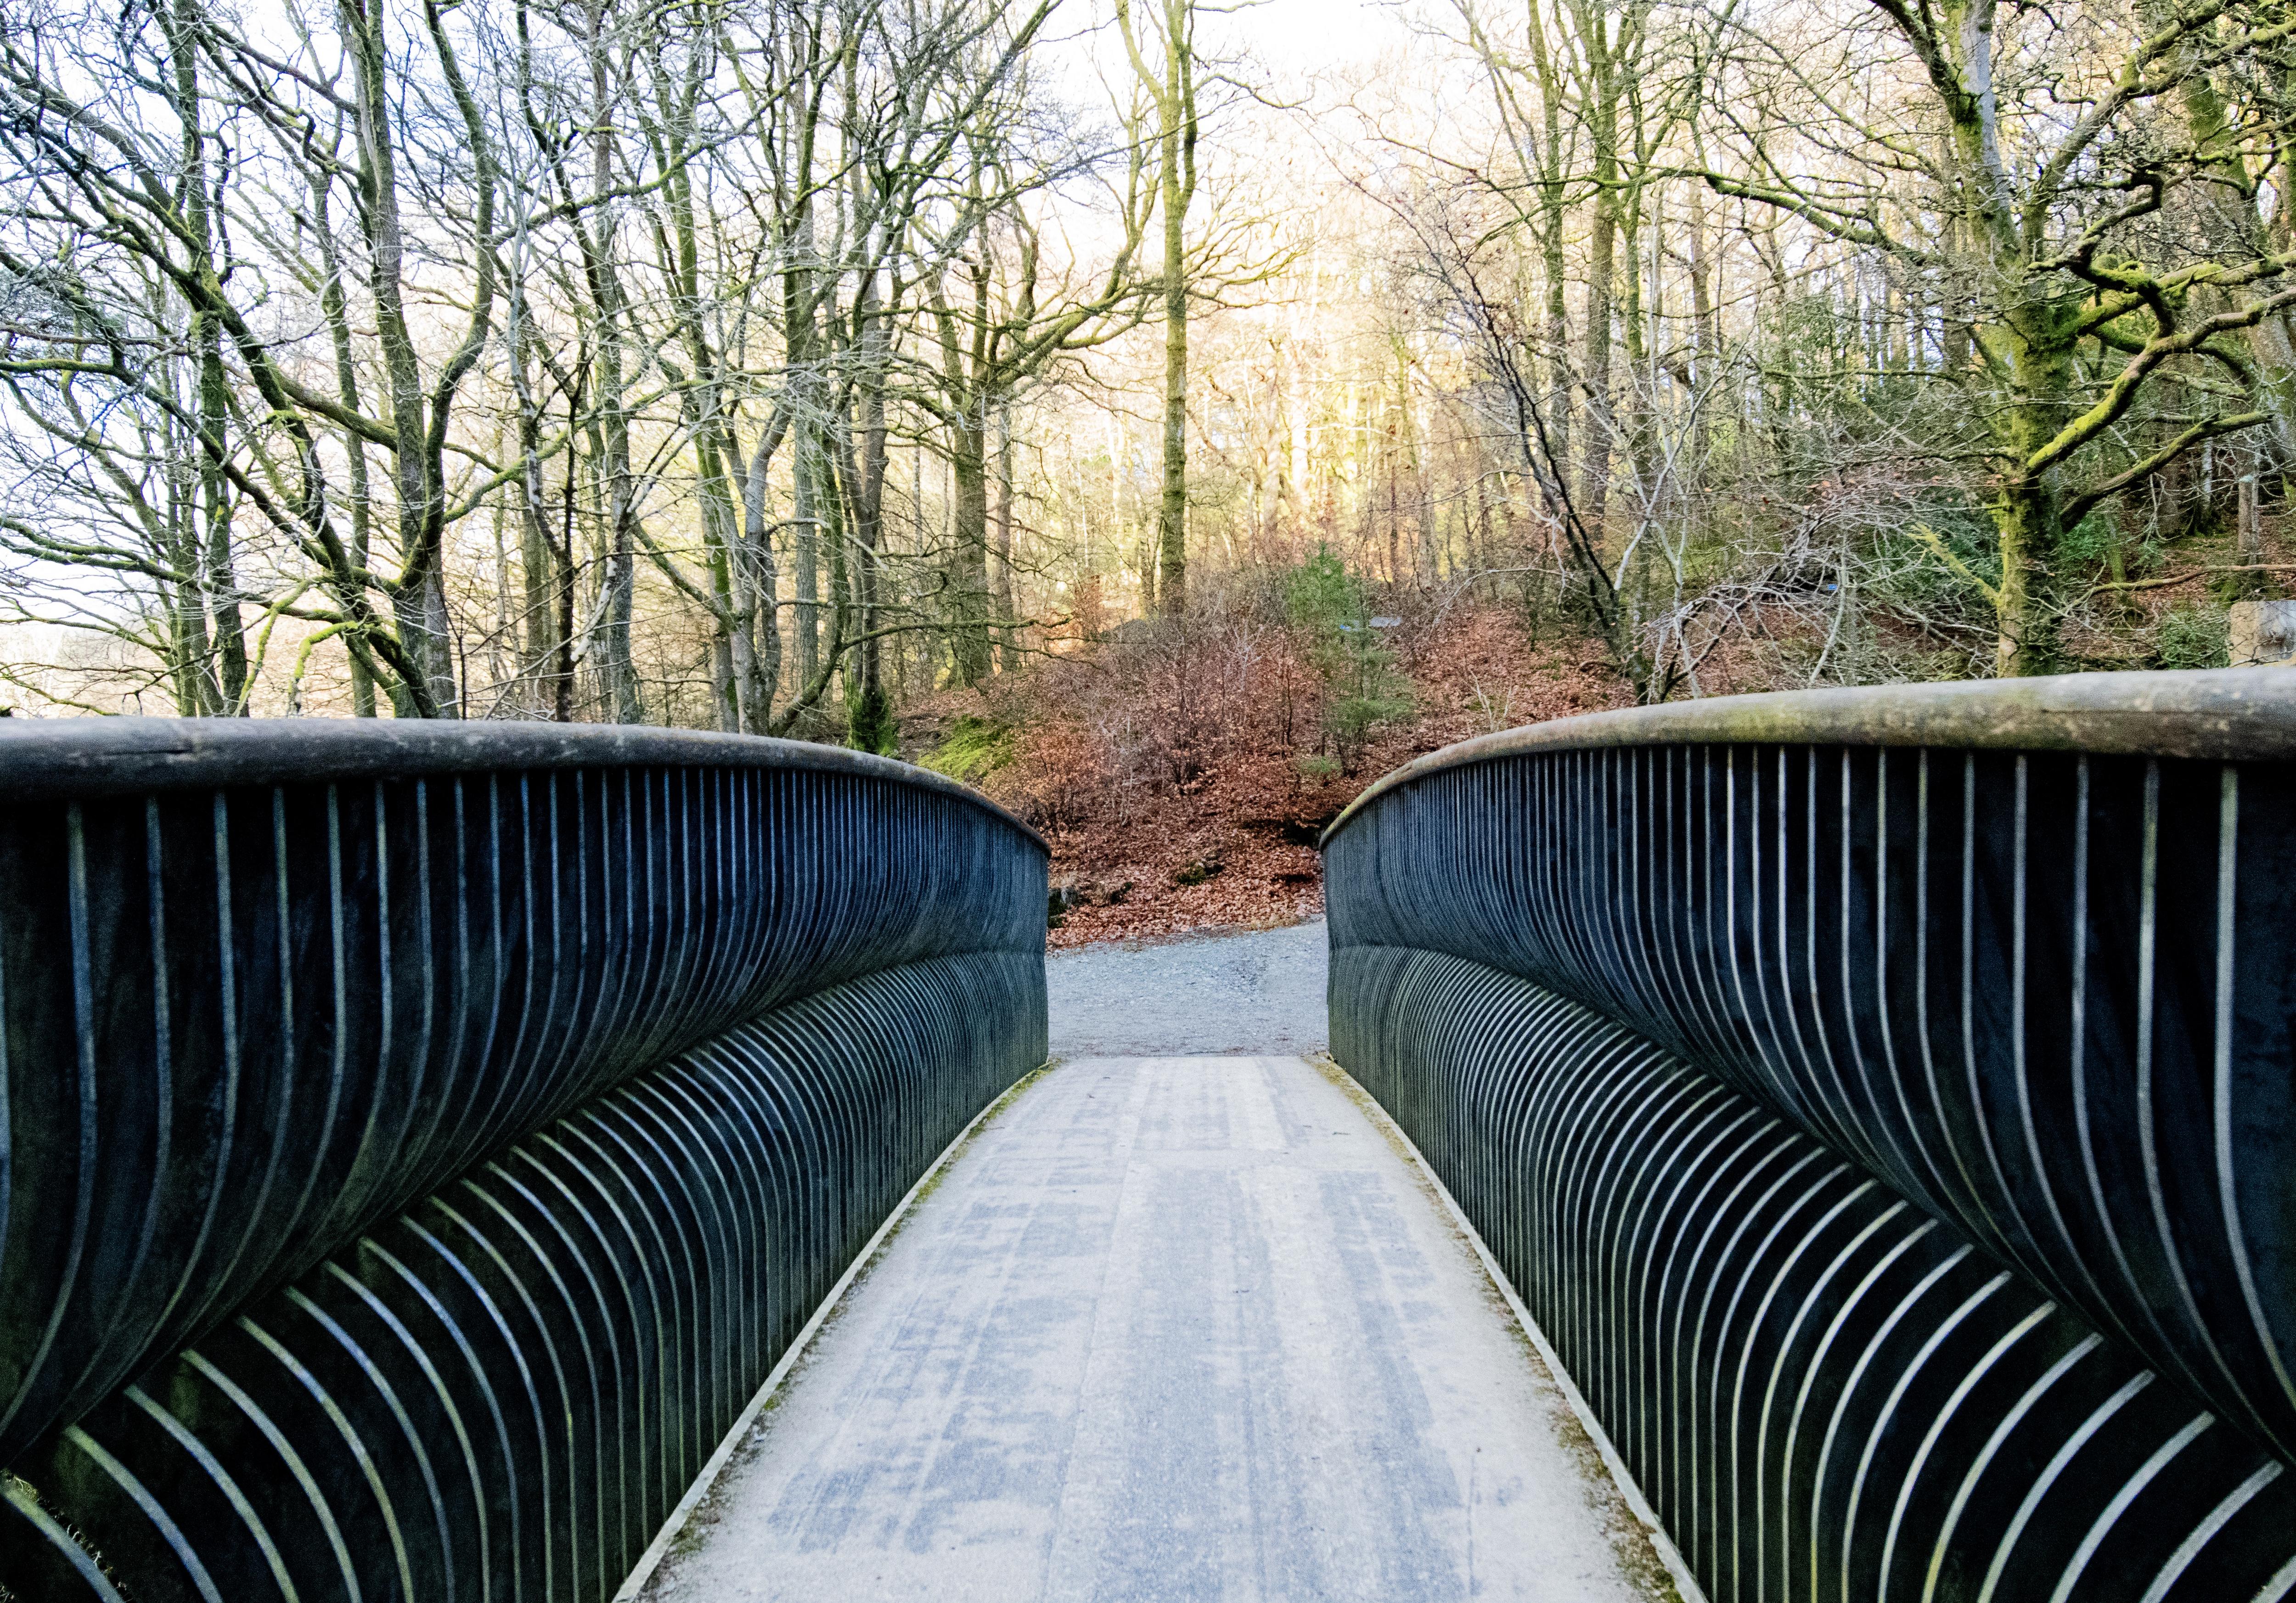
[641,1574]
[1629,1489]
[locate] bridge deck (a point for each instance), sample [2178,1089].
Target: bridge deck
[1177,1328]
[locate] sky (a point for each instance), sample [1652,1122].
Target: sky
[1293,39]
[1308,34]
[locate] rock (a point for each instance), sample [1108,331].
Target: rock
[2263,633]
[1071,891]
[1199,869]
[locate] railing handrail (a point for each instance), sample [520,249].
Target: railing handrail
[62,759]
[2222,713]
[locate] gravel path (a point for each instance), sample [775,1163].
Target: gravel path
[1261,994]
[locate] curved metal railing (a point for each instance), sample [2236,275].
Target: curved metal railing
[419,1142]
[1885,1100]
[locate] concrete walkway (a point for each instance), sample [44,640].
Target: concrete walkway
[1175,1328]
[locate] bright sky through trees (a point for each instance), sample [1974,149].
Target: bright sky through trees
[793,365]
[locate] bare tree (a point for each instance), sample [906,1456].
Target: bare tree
[2066,214]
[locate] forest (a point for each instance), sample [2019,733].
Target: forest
[1164,414]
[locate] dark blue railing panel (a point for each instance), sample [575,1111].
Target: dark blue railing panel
[677,1021]
[1824,1391]
[2043,994]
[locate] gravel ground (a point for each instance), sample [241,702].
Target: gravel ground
[1260,992]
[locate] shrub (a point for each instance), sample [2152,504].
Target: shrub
[1362,687]
[2193,637]
[973,748]
[1058,778]
[870,724]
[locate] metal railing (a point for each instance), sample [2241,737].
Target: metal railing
[418,1143]
[1885,1101]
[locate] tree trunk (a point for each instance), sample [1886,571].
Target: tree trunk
[870,721]
[834,495]
[1706,345]
[2025,524]
[757,565]
[417,692]
[805,556]
[718,536]
[1007,654]
[213,561]
[1594,491]
[969,563]
[1172,508]
[1553,271]
[223,581]
[197,693]
[2250,540]
[537,560]
[363,705]
[538,567]
[1634,336]
[1172,89]
[617,664]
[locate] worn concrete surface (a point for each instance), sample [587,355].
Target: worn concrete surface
[1258,993]
[1177,1328]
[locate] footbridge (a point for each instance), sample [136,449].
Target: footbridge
[1832,1146]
